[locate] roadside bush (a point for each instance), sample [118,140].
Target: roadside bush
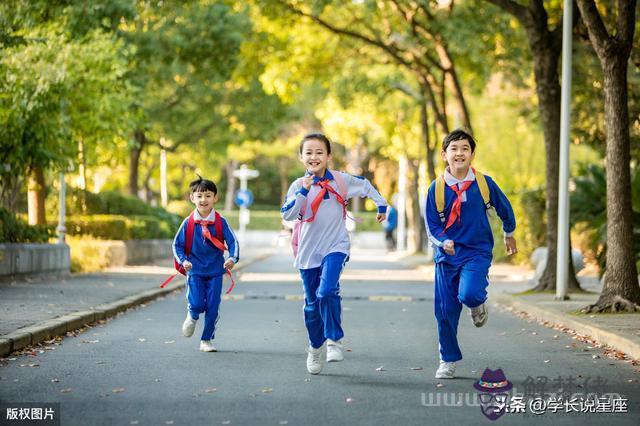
[118,227]
[15,230]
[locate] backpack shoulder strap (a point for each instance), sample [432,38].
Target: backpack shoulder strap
[218,226]
[484,189]
[342,185]
[440,197]
[191,224]
[304,206]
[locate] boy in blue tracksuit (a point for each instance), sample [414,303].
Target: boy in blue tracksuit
[463,243]
[205,263]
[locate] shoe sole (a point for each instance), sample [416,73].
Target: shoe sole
[204,350]
[445,377]
[335,359]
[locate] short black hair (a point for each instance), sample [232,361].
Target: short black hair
[316,136]
[457,135]
[203,185]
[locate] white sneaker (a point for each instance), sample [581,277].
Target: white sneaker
[479,315]
[334,351]
[207,346]
[188,326]
[314,359]
[446,370]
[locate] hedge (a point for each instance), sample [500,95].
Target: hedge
[118,227]
[15,230]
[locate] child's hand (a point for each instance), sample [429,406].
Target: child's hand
[510,244]
[307,181]
[187,265]
[381,217]
[229,264]
[448,247]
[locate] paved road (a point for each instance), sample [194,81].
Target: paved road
[137,369]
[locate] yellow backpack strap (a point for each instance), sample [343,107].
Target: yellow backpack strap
[440,197]
[484,189]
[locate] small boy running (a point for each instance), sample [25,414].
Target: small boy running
[457,219]
[204,263]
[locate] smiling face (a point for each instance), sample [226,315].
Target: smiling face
[204,201]
[315,157]
[459,156]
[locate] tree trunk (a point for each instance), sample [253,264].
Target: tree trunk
[621,276]
[82,171]
[36,197]
[415,223]
[134,161]
[231,184]
[424,121]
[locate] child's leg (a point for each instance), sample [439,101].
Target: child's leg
[196,295]
[447,309]
[213,296]
[474,281]
[312,318]
[329,295]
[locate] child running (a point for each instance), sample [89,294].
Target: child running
[204,261]
[320,240]
[457,222]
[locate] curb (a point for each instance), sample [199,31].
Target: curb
[616,341]
[59,326]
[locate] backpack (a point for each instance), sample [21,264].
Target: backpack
[191,224]
[295,235]
[482,185]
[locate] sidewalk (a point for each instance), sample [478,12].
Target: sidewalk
[35,310]
[620,331]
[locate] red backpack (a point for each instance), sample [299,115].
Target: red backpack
[191,224]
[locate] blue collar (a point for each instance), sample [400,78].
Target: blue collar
[316,179]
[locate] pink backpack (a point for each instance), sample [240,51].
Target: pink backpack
[295,236]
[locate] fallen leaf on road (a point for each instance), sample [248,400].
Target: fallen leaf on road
[307,380]
[535,333]
[349,400]
[67,390]
[555,336]
[56,380]
[210,390]
[595,356]
[381,368]
[439,385]
[170,341]
[416,368]
[90,341]
[117,390]
[349,350]
[547,361]
[267,390]
[541,341]
[100,362]
[142,339]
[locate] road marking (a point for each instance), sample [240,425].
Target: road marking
[390,298]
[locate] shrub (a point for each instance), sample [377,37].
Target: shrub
[15,230]
[117,227]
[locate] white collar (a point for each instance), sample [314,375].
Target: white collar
[210,218]
[452,180]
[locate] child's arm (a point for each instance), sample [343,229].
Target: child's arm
[296,197]
[505,212]
[434,225]
[359,186]
[232,245]
[178,245]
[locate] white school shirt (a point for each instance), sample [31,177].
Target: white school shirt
[327,233]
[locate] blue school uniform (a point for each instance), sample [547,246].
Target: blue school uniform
[204,280]
[462,278]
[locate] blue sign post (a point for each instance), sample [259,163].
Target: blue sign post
[244,198]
